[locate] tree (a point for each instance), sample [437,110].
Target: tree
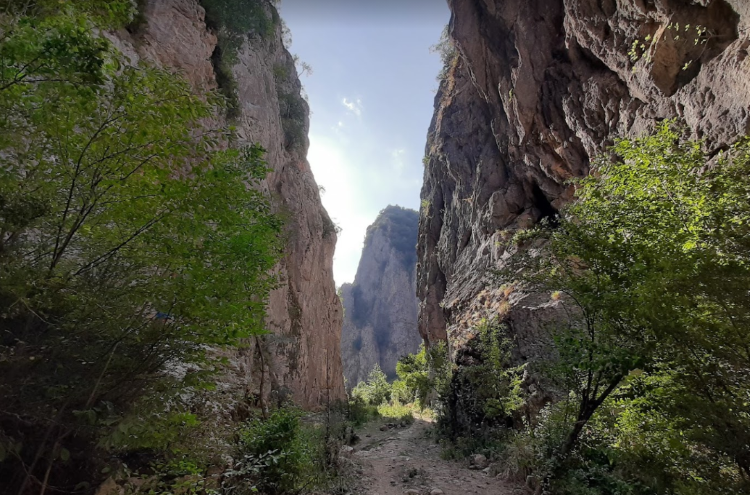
[129,248]
[413,371]
[653,260]
[375,390]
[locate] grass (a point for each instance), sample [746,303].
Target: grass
[360,413]
[403,413]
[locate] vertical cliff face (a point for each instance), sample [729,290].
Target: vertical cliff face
[301,358]
[380,323]
[540,87]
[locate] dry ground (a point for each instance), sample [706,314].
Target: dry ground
[407,461]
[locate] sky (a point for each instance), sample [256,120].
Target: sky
[371,97]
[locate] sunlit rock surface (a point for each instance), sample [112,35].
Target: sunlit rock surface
[301,357]
[380,322]
[539,89]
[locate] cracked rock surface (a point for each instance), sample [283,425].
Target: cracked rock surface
[539,89]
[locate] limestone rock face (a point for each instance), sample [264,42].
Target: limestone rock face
[541,87]
[301,358]
[380,317]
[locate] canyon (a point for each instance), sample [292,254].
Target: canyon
[532,94]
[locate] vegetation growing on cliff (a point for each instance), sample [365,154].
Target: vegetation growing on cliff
[234,22]
[293,110]
[129,248]
[652,264]
[401,225]
[446,48]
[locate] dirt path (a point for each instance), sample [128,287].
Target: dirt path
[406,461]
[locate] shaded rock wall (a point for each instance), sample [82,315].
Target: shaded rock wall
[540,87]
[301,357]
[380,320]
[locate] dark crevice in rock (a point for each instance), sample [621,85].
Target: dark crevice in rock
[548,212]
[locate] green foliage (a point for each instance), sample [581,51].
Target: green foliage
[375,390]
[283,454]
[293,110]
[154,430]
[400,393]
[422,375]
[37,50]
[270,452]
[403,414]
[239,18]
[484,394]
[414,382]
[108,14]
[139,19]
[234,21]
[280,72]
[652,264]
[360,413]
[504,392]
[128,248]
[696,35]
[181,474]
[446,48]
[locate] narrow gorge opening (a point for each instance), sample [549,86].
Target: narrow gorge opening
[262,246]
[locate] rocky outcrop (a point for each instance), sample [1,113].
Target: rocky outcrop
[539,88]
[380,317]
[300,359]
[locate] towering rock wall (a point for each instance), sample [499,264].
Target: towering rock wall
[300,359]
[380,318]
[538,89]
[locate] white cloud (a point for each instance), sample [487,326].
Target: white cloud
[398,159]
[354,106]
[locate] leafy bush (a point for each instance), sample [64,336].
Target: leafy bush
[289,453]
[484,393]
[401,393]
[422,375]
[359,412]
[275,455]
[375,390]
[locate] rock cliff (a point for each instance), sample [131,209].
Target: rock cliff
[380,317]
[300,359]
[538,89]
